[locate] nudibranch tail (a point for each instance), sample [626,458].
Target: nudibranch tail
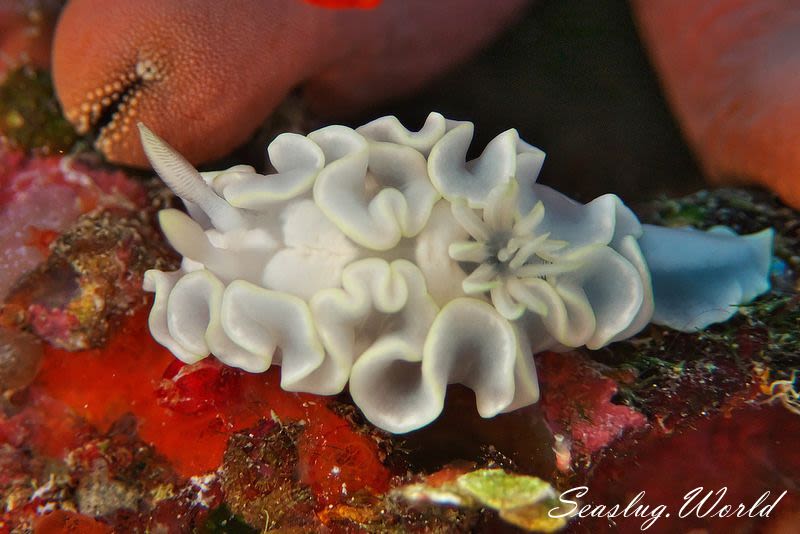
[381,258]
[700,278]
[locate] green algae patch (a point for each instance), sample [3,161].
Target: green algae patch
[501,490]
[521,500]
[30,116]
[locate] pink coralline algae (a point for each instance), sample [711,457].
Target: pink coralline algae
[40,195]
[577,402]
[91,278]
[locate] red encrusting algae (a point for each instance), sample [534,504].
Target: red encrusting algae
[45,425]
[734,458]
[63,522]
[41,238]
[334,461]
[188,412]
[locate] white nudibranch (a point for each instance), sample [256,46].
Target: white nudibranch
[381,258]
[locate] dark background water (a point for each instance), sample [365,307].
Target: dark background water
[573,78]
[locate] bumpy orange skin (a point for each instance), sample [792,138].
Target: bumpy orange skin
[731,71]
[204,74]
[188,69]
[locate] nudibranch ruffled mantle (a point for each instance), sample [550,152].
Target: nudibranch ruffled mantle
[381,258]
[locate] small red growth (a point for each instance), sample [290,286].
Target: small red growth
[192,389]
[345,4]
[447,474]
[63,522]
[41,238]
[577,402]
[188,412]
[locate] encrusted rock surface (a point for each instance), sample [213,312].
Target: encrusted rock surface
[92,277]
[112,434]
[20,356]
[620,413]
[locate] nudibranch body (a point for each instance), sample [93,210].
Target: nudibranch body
[381,258]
